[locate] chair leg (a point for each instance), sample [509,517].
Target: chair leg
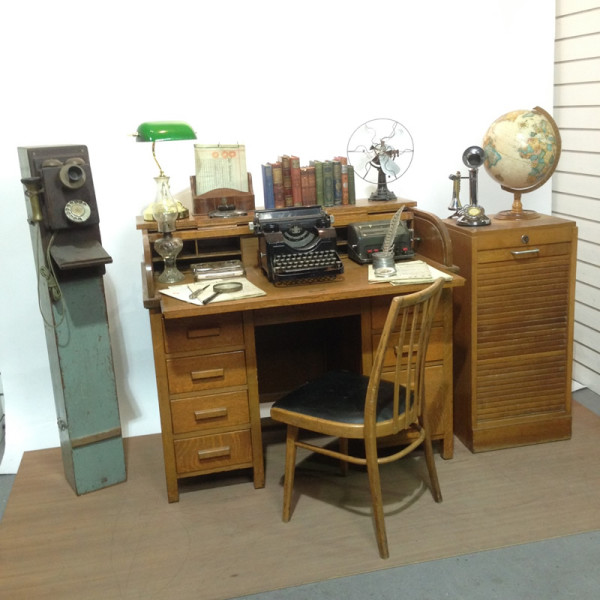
[376,499]
[343,446]
[290,467]
[430,461]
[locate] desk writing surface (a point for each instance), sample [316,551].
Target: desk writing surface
[351,285]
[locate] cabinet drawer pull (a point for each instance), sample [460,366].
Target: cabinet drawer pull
[208,374]
[198,333]
[525,252]
[210,413]
[214,453]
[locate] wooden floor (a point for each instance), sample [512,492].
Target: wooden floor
[226,539]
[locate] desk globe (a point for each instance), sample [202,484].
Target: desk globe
[522,149]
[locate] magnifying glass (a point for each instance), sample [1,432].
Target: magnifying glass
[227,287]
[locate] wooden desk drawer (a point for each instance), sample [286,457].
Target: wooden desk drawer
[522,236]
[524,252]
[206,412]
[213,452]
[210,371]
[435,350]
[182,335]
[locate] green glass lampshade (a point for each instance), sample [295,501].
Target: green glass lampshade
[164,131]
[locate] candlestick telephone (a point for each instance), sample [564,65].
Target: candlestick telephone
[472,215]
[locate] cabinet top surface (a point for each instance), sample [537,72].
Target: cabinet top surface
[500,225]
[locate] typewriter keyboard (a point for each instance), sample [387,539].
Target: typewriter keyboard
[301,265]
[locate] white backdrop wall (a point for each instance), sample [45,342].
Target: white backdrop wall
[277,77]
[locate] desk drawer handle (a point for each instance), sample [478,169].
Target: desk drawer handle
[214,453]
[210,413]
[208,374]
[525,252]
[197,333]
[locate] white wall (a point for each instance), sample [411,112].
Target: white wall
[278,77]
[576,181]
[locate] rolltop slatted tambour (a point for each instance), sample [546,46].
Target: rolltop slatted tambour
[513,331]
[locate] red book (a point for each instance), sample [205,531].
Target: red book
[309,190]
[309,186]
[287,180]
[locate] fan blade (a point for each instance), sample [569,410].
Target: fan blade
[388,166]
[360,160]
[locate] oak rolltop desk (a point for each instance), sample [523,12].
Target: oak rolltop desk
[513,333]
[215,364]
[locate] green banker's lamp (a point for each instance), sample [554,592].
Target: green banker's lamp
[165,210]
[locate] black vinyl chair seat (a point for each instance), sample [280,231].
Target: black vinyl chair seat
[340,396]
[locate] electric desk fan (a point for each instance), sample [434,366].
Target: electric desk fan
[380,151]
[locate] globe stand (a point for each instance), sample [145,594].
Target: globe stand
[516,213]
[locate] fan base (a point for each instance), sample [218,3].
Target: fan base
[382,196]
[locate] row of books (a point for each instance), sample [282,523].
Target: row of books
[326,183]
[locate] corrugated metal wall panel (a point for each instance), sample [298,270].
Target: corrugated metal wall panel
[576,182]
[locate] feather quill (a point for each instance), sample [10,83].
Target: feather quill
[390,236]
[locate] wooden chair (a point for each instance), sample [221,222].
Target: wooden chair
[348,405]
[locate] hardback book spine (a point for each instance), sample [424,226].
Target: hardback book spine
[287,180]
[267,177]
[337,182]
[351,186]
[318,166]
[328,194]
[296,178]
[278,191]
[344,162]
[312,185]
[309,188]
[305,186]
[345,191]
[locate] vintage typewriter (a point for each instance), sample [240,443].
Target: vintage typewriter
[297,245]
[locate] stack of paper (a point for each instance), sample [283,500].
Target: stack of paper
[409,271]
[182,292]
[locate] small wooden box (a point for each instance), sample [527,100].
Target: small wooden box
[222,199]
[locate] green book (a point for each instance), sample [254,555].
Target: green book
[328,183]
[351,186]
[337,182]
[318,165]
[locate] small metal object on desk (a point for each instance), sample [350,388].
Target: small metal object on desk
[196,293]
[227,287]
